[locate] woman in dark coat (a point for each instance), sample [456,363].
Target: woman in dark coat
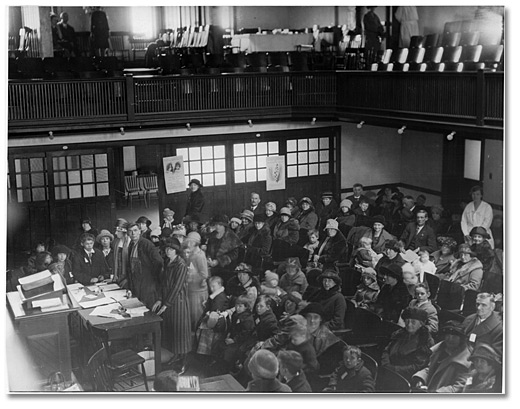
[172,302]
[334,248]
[144,224]
[99,31]
[286,235]
[271,216]
[62,256]
[327,209]
[331,299]
[195,204]
[105,239]
[243,283]
[409,348]
[259,242]
[394,295]
[307,218]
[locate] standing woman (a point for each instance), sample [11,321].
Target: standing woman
[144,224]
[99,32]
[197,276]
[120,253]
[477,213]
[195,204]
[173,303]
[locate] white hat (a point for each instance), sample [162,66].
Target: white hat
[332,224]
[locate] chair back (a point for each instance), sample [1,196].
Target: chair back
[450,295]
[150,182]
[470,302]
[451,39]
[468,25]
[389,381]
[132,184]
[433,282]
[452,54]
[433,54]
[416,41]
[371,365]
[452,26]
[367,326]
[431,40]
[471,53]
[416,55]
[469,38]
[98,372]
[491,53]
[400,56]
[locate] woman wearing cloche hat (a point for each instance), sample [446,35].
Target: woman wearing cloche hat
[467,270]
[486,377]
[286,234]
[492,272]
[334,248]
[195,203]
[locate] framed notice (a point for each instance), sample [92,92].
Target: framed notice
[275,175]
[174,174]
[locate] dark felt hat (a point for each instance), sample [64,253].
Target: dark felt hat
[379,218]
[260,218]
[392,270]
[144,219]
[480,230]
[244,268]
[196,181]
[415,313]
[313,307]
[220,219]
[486,352]
[330,274]
[60,248]
[173,243]
[454,328]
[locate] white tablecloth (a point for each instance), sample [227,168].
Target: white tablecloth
[252,43]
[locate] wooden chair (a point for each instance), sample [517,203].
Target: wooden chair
[366,327]
[450,60]
[389,381]
[415,58]
[450,295]
[433,282]
[490,58]
[451,39]
[398,59]
[132,189]
[431,40]
[149,184]
[385,59]
[117,46]
[469,38]
[371,365]
[432,56]
[98,373]
[416,42]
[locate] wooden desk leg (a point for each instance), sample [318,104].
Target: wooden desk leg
[157,348]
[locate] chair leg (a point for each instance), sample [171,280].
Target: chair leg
[144,377]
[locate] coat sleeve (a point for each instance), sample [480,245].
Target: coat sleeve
[431,245]
[475,279]
[293,234]
[458,383]
[432,322]
[421,357]
[337,251]
[405,237]
[338,319]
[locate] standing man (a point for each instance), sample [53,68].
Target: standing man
[68,34]
[418,235]
[145,264]
[357,196]
[99,31]
[256,208]
[374,32]
[195,204]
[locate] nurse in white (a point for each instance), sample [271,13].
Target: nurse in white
[477,213]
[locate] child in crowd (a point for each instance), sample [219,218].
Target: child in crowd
[367,291]
[271,289]
[265,320]
[263,366]
[425,264]
[422,301]
[312,244]
[291,364]
[168,219]
[351,375]
[234,224]
[364,255]
[301,343]
[294,279]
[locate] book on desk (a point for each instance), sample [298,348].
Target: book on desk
[43,291]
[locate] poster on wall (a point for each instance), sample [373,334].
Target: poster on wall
[174,180]
[275,178]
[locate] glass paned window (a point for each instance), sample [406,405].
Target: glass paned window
[252,157]
[310,155]
[206,163]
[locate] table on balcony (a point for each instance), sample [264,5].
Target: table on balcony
[253,43]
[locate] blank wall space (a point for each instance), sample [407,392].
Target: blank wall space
[129,158]
[493,171]
[472,157]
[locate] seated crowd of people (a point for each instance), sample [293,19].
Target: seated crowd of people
[268,294]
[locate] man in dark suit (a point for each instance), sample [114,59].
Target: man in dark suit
[89,265]
[485,326]
[68,33]
[357,196]
[255,206]
[418,235]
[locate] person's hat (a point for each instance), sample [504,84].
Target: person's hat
[331,224]
[269,276]
[156,232]
[392,270]
[60,248]
[194,236]
[379,218]
[327,194]
[263,364]
[391,244]
[144,219]
[481,231]
[314,308]
[291,201]
[270,206]
[179,229]
[168,212]
[454,328]
[294,261]
[259,218]
[121,225]
[236,220]
[104,233]
[445,241]
[486,352]
[297,319]
[166,232]
[196,181]
[247,214]
[221,219]
[173,243]
[244,268]
[286,211]
[86,220]
[328,273]
[466,249]
[213,319]
[369,272]
[306,200]
[295,297]
[345,203]
[292,360]
[415,314]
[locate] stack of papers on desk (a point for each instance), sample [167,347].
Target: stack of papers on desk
[108,311]
[108,287]
[97,300]
[116,295]
[52,304]
[137,312]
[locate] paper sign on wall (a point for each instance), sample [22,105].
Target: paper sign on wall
[174,180]
[275,178]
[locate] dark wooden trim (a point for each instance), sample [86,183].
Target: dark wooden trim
[130,97]
[479,100]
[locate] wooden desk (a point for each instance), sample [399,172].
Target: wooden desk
[221,383]
[123,329]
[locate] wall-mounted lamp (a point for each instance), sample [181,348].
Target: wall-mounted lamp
[450,136]
[122,130]
[258,135]
[360,125]
[400,131]
[188,126]
[250,123]
[313,122]
[51,135]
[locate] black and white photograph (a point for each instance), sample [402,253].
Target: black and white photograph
[257,199]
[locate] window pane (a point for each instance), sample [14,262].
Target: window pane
[250,148]
[238,149]
[195,167]
[38,194]
[88,191]
[186,168]
[207,152]
[101,175]
[74,177]
[36,164]
[18,165]
[262,174]
[302,157]
[74,192]
[251,163]
[291,145]
[60,178]
[313,169]
[302,144]
[207,180]
[88,176]
[182,152]
[251,175]
[59,163]
[194,153]
[24,195]
[261,161]
[207,166]
[38,179]
[220,165]
[273,147]
[72,162]
[25,181]
[102,189]
[291,158]
[196,176]
[313,157]
[101,160]
[303,170]
[220,179]
[292,171]
[324,156]
[472,154]
[219,151]
[240,163]
[324,168]
[324,143]
[87,161]
[313,143]
[186,179]
[19,180]
[261,148]
[240,176]
[60,192]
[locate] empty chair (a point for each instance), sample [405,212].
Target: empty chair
[469,38]
[432,56]
[490,58]
[431,40]
[398,59]
[450,60]
[148,183]
[415,57]
[118,47]
[450,295]
[132,189]
[433,282]
[385,59]
[416,41]
[366,328]
[470,302]
[452,26]
[298,61]
[451,39]
[468,25]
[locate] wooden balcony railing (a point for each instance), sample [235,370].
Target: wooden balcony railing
[466,98]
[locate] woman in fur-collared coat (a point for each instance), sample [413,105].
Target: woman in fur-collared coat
[467,270]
